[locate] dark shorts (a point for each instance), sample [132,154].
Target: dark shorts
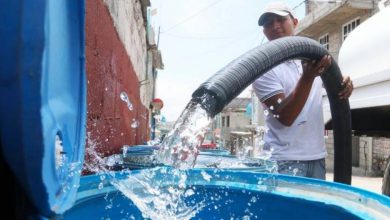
[309,168]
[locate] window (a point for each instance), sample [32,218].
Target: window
[227,121]
[223,121]
[349,27]
[324,41]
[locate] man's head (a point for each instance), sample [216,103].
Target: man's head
[277,21]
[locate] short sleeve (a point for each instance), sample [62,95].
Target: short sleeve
[267,86]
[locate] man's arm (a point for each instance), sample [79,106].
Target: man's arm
[288,108]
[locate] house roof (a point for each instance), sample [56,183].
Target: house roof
[237,104]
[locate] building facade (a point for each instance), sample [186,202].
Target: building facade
[233,125]
[331,22]
[121,62]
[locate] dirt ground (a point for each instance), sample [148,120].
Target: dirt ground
[373,184]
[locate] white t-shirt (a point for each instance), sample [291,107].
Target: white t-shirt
[304,139]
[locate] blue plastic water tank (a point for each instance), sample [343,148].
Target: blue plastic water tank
[43,98]
[239,194]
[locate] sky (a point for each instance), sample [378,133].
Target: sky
[199,37]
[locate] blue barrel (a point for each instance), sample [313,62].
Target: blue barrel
[234,194]
[143,156]
[43,99]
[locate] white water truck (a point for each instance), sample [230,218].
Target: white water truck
[365,57]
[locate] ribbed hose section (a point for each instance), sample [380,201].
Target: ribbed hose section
[230,81]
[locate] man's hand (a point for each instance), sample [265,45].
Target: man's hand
[347,88]
[314,68]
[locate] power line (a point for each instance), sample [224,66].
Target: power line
[295,7]
[191,16]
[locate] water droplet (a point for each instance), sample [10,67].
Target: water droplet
[125,98]
[124,153]
[279,100]
[100,186]
[246,217]
[271,107]
[266,112]
[253,199]
[189,192]
[135,124]
[205,176]
[109,206]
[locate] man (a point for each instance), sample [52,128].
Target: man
[291,93]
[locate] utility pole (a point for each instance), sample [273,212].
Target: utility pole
[153,119]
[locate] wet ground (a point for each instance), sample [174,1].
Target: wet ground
[373,184]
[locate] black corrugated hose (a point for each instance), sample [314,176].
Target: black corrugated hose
[226,84]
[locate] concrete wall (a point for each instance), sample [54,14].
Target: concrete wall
[112,68]
[373,153]
[365,154]
[380,153]
[329,142]
[238,120]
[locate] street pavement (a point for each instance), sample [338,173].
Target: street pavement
[373,184]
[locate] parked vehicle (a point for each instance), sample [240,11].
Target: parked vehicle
[365,57]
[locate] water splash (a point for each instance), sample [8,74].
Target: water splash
[162,193]
[153,191]
[158,193]
[65,168]
[244,152]
[154,142]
